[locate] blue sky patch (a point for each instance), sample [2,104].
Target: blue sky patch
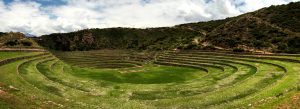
[42,2]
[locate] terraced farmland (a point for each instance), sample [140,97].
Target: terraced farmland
[127,79]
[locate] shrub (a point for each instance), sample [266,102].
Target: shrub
[12,43]
[282,46]
[192,46]
[294,42]
[238,50]
[231,42]
[2,34]
[260,44]
[210,47]
[26,43]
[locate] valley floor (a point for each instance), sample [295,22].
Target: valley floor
[120,79]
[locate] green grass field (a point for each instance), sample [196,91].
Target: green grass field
[132,80]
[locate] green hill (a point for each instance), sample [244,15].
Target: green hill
[120,38]
[273,29]
[16,40]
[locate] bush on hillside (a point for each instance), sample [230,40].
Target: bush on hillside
[238,50]
[210,47]
[26,43]
[12,43]
[2,34]
[282,46]
[193,47]
[260,44]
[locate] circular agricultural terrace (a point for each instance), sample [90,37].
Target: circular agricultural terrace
[122,79]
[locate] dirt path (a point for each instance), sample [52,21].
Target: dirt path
[22,49]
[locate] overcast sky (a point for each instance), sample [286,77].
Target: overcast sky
[40,17]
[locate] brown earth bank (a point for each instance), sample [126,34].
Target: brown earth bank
[292,103]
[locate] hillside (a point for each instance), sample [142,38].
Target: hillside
[11,40]
[121,38]
[273,29]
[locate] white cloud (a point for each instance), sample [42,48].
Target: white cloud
[32,17]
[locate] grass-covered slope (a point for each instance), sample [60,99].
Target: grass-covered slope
[273,29]
[106,58]
[174,79]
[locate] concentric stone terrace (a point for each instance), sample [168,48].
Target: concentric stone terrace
[171,79]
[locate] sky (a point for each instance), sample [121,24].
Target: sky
[39,17]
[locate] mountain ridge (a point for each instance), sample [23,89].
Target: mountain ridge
[272,29]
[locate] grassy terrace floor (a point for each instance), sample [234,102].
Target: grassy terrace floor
[119,79]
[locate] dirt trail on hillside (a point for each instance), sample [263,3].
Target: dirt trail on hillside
[23,49]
